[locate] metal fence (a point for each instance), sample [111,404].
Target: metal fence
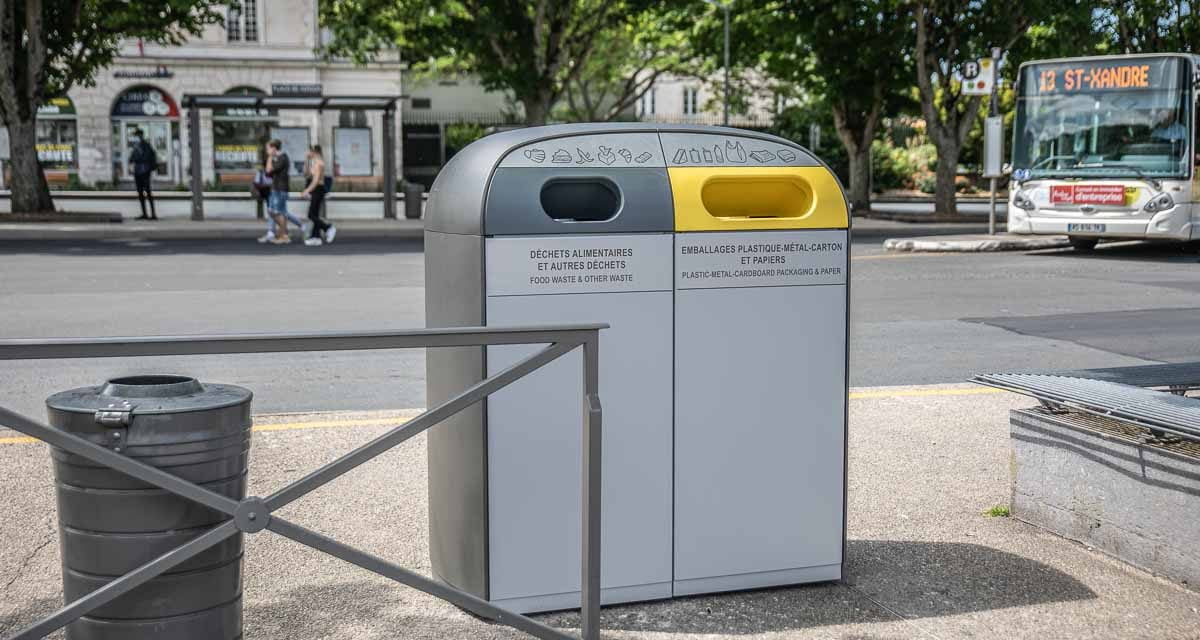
[254,514]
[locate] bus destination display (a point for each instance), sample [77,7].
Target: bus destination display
[1101,75]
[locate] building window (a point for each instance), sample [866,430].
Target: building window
[690,102]
[241,21]
[646,104]
[422,103]
[356,118]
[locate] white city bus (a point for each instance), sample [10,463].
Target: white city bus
[1104,148]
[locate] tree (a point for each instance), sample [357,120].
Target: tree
[1149,26]
[949,32]
[853,56]
[635,55]
[48,46]
[532,49]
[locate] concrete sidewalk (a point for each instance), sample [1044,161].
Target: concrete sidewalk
[924,561]
[977,242]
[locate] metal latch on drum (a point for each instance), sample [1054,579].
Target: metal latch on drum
[115,419]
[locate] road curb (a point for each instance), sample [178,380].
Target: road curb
[195,231]
[975,244]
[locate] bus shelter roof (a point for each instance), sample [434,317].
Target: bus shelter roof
[311,103]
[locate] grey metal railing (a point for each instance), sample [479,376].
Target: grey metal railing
[254,514]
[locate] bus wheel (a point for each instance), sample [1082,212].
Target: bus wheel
[1083,245]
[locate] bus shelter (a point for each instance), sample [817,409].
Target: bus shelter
[387,104]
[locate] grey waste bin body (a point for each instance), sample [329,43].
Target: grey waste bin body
[109,523]
[760,350]
[504,477]
[580,223]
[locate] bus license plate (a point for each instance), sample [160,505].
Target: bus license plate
[1085,227]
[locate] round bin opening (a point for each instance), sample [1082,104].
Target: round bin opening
[756,196]
[581,199]
[151,386]
[142,381]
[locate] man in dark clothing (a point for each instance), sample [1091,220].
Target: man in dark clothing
[142,163]
[278,165]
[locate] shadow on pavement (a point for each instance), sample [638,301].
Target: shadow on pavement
[240,246]
[1130,251]
[29,614]
[915,579]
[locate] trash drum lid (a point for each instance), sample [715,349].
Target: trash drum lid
[150,395]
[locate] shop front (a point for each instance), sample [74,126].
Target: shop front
[58,139]
[57,142]
[239,135]
[153,112]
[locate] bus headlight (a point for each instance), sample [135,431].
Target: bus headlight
[1022,201]
[1160,202]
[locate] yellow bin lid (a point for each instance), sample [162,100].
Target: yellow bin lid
[729,182]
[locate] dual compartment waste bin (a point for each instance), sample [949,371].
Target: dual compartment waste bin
[720,259]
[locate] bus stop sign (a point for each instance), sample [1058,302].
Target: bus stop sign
[978,76]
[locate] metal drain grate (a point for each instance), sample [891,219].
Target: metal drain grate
[1155,410]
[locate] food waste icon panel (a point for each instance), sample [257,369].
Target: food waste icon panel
[604,150]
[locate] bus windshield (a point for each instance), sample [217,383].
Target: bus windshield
[1126,117]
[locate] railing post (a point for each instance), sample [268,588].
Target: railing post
[389,163]
[197,169]
[589,611]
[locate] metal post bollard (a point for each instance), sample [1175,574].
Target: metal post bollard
[110,523]
[413,196]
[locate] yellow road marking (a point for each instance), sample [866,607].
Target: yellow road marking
[914,393]
[408,414]
[400,418]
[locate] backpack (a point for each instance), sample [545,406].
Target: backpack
[145,160]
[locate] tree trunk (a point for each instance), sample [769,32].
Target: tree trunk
[944,199]
[860,179]
[30,193]
[537,110]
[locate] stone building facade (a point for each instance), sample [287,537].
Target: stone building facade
[262,44]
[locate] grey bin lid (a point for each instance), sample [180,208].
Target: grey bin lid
[587,178]
[150,394]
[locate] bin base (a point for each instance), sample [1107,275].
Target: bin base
[570,600]
[759,580]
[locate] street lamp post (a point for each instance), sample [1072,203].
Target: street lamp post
[725,98]
[725,118]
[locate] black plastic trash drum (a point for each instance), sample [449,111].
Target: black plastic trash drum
[110,524]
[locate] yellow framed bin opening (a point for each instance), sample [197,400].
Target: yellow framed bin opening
[746,198]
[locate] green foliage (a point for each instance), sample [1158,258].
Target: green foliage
[532,49]
[459,135]
[77,39]
[635,54]
[998,511]
[907,165]
[853,57]
[793,123]
[1147,26]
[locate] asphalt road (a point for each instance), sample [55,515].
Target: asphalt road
[916,318]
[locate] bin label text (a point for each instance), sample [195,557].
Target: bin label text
[760,259]
[578,264]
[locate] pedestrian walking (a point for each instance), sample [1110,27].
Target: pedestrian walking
[143,161]
[278,168]
[321,232]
